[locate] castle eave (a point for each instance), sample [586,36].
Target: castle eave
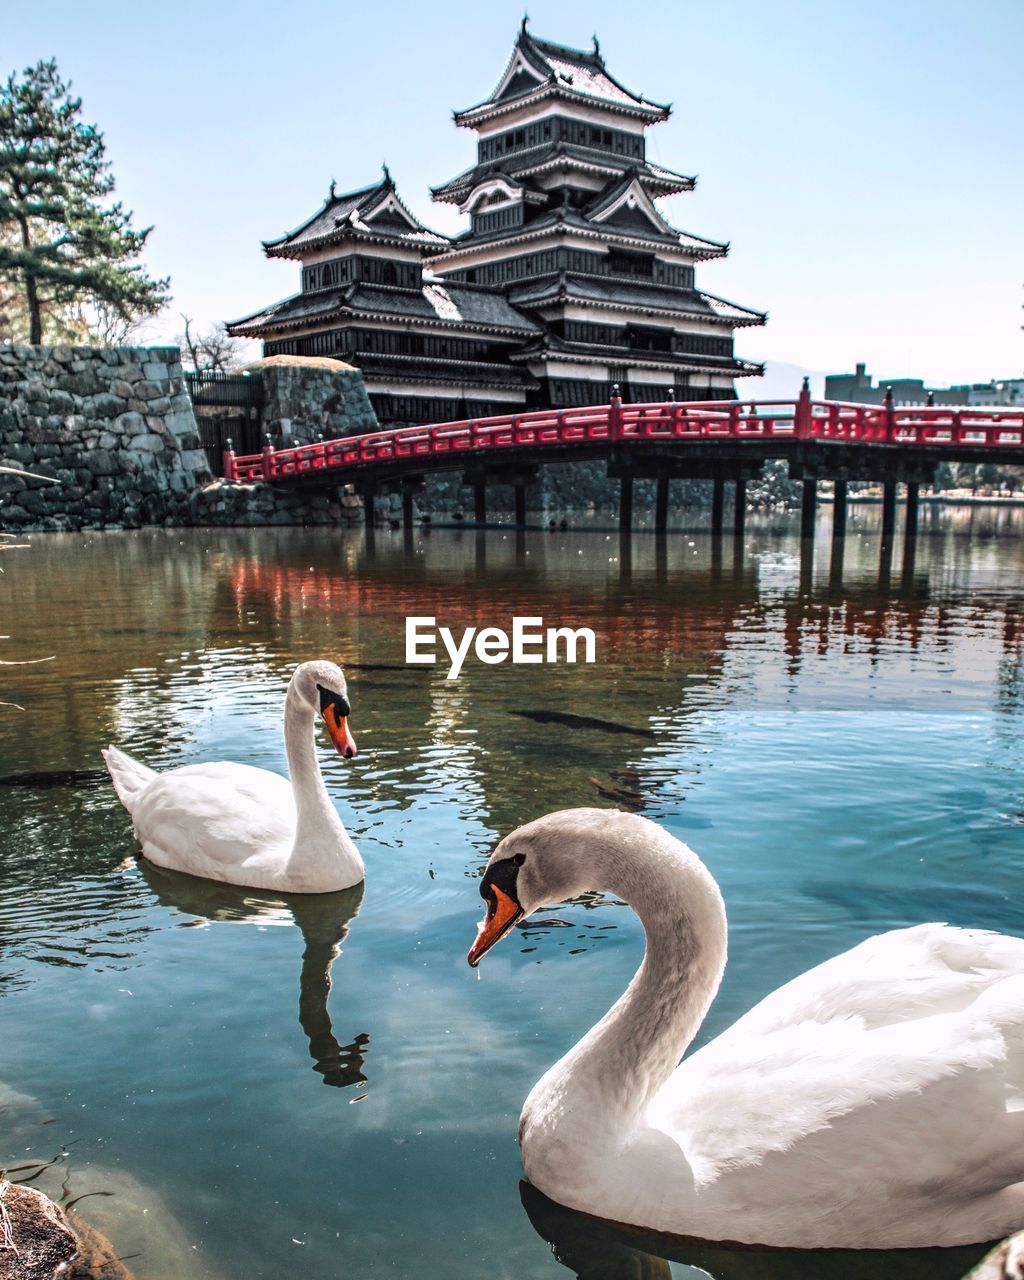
[484,112]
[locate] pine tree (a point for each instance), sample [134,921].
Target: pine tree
[62,247]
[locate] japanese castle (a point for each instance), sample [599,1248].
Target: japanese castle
[568,280]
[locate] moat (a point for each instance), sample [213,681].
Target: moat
[294,1088]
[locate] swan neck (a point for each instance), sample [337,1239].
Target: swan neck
[632,1051]
[315,814]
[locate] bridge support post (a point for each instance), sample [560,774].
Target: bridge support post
[407,508]
[626,502]
[661,505]
[808,508]
[888,510]
[717,505]
[913,496]
[520,505]
[368,509]
[839,510]
[835,568]
[480,502]
[739,515]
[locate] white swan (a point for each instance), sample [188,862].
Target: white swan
[877,1101]
[249,826]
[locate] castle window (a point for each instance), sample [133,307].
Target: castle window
[623,263]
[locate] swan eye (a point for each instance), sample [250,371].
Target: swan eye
[329,698]
[519,859]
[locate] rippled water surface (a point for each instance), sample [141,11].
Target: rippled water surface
[311,1088]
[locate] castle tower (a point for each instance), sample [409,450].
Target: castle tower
[564,224]
[429,350]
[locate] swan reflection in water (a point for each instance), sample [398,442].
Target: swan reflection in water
[322,919]
[596,1250]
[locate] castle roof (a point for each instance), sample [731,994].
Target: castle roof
[634,232]
[438,302]
[371,213]
[532,162]
[550,345]
[541,68]
[644,297]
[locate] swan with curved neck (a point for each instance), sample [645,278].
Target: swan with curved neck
[248,826]
[876,1101]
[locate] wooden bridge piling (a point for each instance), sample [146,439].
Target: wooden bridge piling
[888,510]
[717,506]
[626,502]
[739,515]
[835,566]
[808,508]
[480,502]
[885,565]
[369,512]
[913,497]
[407,508]
[839,507]
[520,504]
[661,505]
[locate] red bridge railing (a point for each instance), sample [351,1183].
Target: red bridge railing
[616,423]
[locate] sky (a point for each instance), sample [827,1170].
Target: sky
[864,160]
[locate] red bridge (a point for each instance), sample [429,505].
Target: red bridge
[715,440]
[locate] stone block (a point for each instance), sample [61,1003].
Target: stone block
[156,371]
[61,401]
[129,424]
[102,462]
[146,444]
[195,460]
[106,405]
[181,422]
[18,454]
[33,501]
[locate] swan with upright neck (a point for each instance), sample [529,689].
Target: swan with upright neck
[876,1101]
[248,826]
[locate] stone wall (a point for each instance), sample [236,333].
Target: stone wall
[252,505]
[310,396]
[114,427]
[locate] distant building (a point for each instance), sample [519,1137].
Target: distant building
[859,388]
[568,280]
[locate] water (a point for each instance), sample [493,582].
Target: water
[261,1087]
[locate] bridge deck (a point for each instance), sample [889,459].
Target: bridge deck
[615,427]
